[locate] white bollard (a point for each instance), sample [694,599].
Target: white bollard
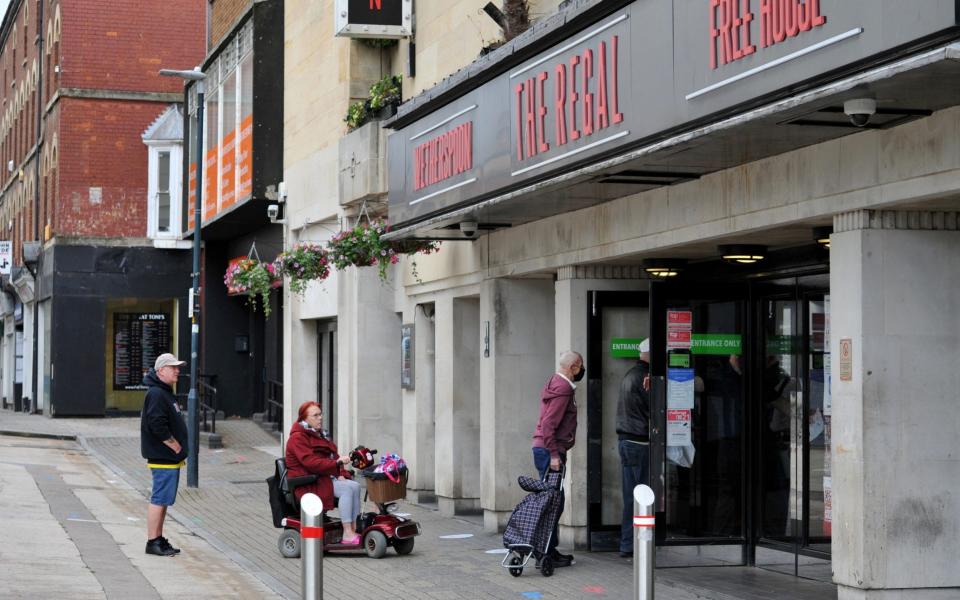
[311,546]
[643,544]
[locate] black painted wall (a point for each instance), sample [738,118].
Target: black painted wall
[80,280]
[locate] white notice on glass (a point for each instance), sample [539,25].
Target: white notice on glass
[678,427]
[680,388]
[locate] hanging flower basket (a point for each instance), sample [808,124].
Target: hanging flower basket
[364,246]
[252,278]
[302,264]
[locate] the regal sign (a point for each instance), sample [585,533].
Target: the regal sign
[627,79]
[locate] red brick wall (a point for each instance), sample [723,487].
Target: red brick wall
[223,16]
[120,45]
[100,147]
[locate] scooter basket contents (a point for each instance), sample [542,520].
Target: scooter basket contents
[387,481]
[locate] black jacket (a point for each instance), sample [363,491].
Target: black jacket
[160,420]
[633,409]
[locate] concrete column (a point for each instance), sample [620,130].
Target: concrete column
[895,291]
[8,359]
[522,358]
[572,305]
[369,409]
[458,405]
[300,364]
[418,408]
[29,347]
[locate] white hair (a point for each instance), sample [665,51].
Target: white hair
[568,357]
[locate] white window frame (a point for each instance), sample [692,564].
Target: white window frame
[175,183]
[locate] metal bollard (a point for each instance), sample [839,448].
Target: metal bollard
[311,546]
[643,544]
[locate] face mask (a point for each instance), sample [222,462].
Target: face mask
[580,374]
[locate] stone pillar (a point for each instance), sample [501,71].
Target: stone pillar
[895,291]
[369,409]
[522,358]
[458,405]
[418,407]
[572,297]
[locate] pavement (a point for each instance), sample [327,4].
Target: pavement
[75,490]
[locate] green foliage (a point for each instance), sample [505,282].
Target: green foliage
[384,92]
[302,264]
[364,246]
[252,278]
[357,115]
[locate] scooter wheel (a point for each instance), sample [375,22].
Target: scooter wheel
[289,543]
[375,544]
[546,566]
[404,546]
[516,571]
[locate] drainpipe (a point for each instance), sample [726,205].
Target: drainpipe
[36,208]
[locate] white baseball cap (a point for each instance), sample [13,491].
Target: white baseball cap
[167,360]
[645,345]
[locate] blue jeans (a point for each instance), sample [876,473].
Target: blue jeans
[635,465]
[541,460]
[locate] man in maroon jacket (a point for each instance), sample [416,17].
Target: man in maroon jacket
[556,431]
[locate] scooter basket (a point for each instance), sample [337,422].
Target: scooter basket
[382,491]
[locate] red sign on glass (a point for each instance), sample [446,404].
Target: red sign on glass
[678,338]
[679,319]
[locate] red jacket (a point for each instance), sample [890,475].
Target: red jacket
[557,425]
[309,453]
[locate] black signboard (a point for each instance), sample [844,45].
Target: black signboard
[138,339]
[373,18]
[627,79]
[375,12]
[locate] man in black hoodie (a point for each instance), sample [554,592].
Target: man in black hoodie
[163,442]
[633,433]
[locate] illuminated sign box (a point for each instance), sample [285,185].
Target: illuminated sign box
[373,18]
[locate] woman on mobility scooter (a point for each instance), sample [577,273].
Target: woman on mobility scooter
[310,452]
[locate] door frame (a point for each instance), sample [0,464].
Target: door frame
[599,536]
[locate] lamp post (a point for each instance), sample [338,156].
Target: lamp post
[192,398]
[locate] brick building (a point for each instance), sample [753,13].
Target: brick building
[80,89]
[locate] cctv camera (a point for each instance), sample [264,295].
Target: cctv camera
[273,211]
[860,110]
[468,228]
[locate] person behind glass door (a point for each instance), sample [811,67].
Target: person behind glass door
[556,431]
[633,433]
[309,452]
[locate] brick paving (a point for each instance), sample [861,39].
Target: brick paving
[230,510]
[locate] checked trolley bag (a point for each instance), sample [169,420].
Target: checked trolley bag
[530,526]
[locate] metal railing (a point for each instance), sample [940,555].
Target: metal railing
[273,402]
[208,402]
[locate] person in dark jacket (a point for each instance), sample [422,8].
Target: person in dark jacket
[633,433]
[556,431]
[163,442]
[311,452]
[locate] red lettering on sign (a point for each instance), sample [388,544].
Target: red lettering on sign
[443,157]
[542,145]
[603,114]
[375,4]
[560,100]
[617,115]
[574,96]
[587,95]
[730,24]
[581,106]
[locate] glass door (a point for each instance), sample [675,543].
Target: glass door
[792,413]
[699,460]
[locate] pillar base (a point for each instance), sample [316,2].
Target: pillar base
[851,593]
[450,507]
[495,520]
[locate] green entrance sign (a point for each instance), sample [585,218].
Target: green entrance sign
[716,343]
[625,347]
[676,360]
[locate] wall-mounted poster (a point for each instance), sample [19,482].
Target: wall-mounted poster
[406,357]
[138,339]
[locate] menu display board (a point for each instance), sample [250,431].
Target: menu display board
[138,339]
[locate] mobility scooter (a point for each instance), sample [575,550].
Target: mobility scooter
[377,530]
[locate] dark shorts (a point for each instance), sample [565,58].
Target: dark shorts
[165,483]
